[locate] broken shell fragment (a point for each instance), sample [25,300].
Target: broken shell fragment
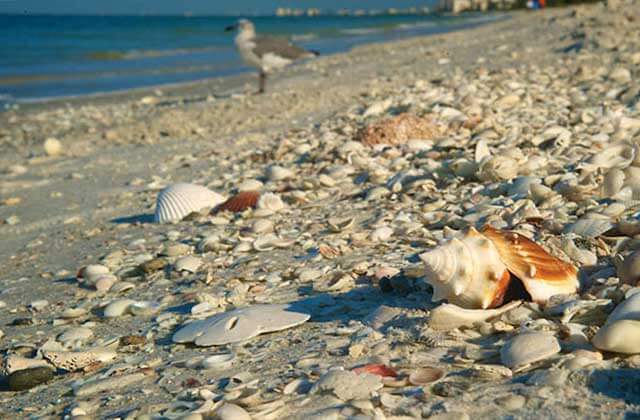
[467,271]
[239,325]
[178,200]
[448,316]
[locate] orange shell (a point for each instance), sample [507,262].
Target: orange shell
[377,369]
[542,274]
[240,202]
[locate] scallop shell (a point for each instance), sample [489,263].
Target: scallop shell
[542,274]
[178,200]
[241,202]
[467,271]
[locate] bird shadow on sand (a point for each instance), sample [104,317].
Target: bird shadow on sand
[134,220]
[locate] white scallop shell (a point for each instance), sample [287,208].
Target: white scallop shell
[466,271]
[178,200]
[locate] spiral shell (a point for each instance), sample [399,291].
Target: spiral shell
[476,270]
[467,271]
[178,200]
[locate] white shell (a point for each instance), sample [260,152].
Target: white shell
[218,361]
[75,334]
[239,325]
[270,201]
[466,271]
[619,155]
[527,348]
[178,200]
[589,228]
[117,308]
[278,173]
[188,263]
[497,168]
[447,316]
[92,272]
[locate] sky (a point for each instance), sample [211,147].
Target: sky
[134,7]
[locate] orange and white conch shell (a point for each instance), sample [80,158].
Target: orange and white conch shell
[475,271]
[467,271]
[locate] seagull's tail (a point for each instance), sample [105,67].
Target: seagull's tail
[315,52]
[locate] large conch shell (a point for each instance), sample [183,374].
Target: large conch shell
[475,271]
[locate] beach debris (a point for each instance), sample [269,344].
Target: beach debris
[621,331]
[398,130]
[179,200]
[527,348]
[239,325]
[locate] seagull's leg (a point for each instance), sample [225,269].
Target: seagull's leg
[263,80]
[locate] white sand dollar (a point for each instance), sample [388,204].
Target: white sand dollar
[239,325]
[178,200]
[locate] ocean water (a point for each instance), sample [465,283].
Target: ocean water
[44,57]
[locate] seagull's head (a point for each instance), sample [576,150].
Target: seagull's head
[243,25]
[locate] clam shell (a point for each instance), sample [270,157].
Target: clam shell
[527,348]
[240,202]
[447,316]
[179,200]
[467,271]
[542,274]
[622,336]
[425,375]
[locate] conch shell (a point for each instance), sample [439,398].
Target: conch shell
[476,270]
[467,271]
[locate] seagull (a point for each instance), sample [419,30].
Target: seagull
[265,52]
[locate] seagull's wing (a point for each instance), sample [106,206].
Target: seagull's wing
[279,46]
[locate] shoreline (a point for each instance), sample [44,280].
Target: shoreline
[529,101]
[235,73]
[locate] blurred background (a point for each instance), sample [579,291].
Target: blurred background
[72,47]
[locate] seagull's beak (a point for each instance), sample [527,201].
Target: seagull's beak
[231,28]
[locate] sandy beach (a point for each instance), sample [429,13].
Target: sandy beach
[547,98]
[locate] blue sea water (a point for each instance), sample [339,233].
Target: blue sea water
[44,57]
